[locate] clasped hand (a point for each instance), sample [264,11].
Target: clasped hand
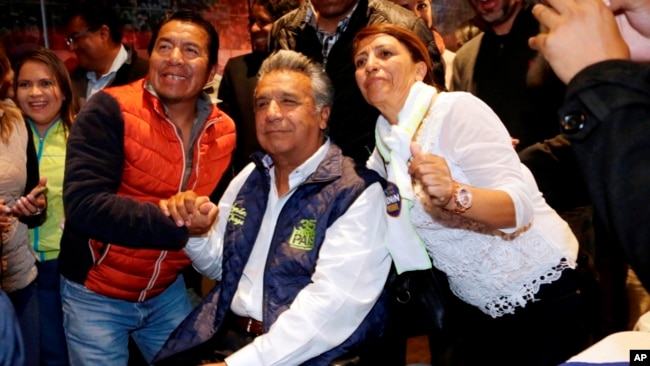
[188,209]
[432,172]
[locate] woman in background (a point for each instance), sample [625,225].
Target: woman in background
[43,92]
[424,11]
[471,207]
[22,204]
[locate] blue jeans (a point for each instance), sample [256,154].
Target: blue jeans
[97,327]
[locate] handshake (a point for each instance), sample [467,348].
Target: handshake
[188,209]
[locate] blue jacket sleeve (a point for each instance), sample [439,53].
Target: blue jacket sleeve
[93,170]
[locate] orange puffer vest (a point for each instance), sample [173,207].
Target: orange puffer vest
[153,170]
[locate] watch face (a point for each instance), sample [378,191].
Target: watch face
[464,197]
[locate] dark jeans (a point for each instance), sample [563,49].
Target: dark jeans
[25,302]
[12,351]
[54,351]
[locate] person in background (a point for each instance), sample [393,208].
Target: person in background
[604,60]
[323,30]
[466,31]
[7,78]
[496,66]
[240,77]
[129,147]
[22,206]
[470,208]
[44,93]
[309,213]
[422,8]
[94,34]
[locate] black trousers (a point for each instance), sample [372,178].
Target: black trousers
[543,333]
[231,338]
[225,342]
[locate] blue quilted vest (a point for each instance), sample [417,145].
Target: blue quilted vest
[304,220]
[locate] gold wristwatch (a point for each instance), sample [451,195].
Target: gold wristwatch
[462,197]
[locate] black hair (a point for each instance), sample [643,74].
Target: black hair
[97,13]
[190,16]
[277,8]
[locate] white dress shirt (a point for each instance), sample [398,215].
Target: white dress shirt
[95,84]
[350,274]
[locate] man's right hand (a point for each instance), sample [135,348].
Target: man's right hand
[188,209]
[580,33]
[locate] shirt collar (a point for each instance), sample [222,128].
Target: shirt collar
[310,19]
[119,60]
[203,104]
[306,169]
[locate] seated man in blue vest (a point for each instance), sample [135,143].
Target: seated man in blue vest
[298,247]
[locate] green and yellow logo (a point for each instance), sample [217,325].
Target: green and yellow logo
[303,236]
[237,215]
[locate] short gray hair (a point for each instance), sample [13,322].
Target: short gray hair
[287,60]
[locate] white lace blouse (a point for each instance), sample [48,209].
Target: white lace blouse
[496,271]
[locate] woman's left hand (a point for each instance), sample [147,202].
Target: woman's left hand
[433,174]
[34,203]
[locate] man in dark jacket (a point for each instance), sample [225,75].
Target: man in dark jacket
[605,113]
[240,77]
[324,30]
[298,247]
[94,34]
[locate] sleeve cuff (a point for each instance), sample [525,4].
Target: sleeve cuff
[245,357]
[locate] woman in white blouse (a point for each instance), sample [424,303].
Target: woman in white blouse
[459,198]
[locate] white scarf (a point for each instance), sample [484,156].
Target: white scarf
[393,143]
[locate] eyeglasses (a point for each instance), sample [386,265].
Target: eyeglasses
[69,40]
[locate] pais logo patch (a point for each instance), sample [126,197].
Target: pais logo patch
[304,235]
